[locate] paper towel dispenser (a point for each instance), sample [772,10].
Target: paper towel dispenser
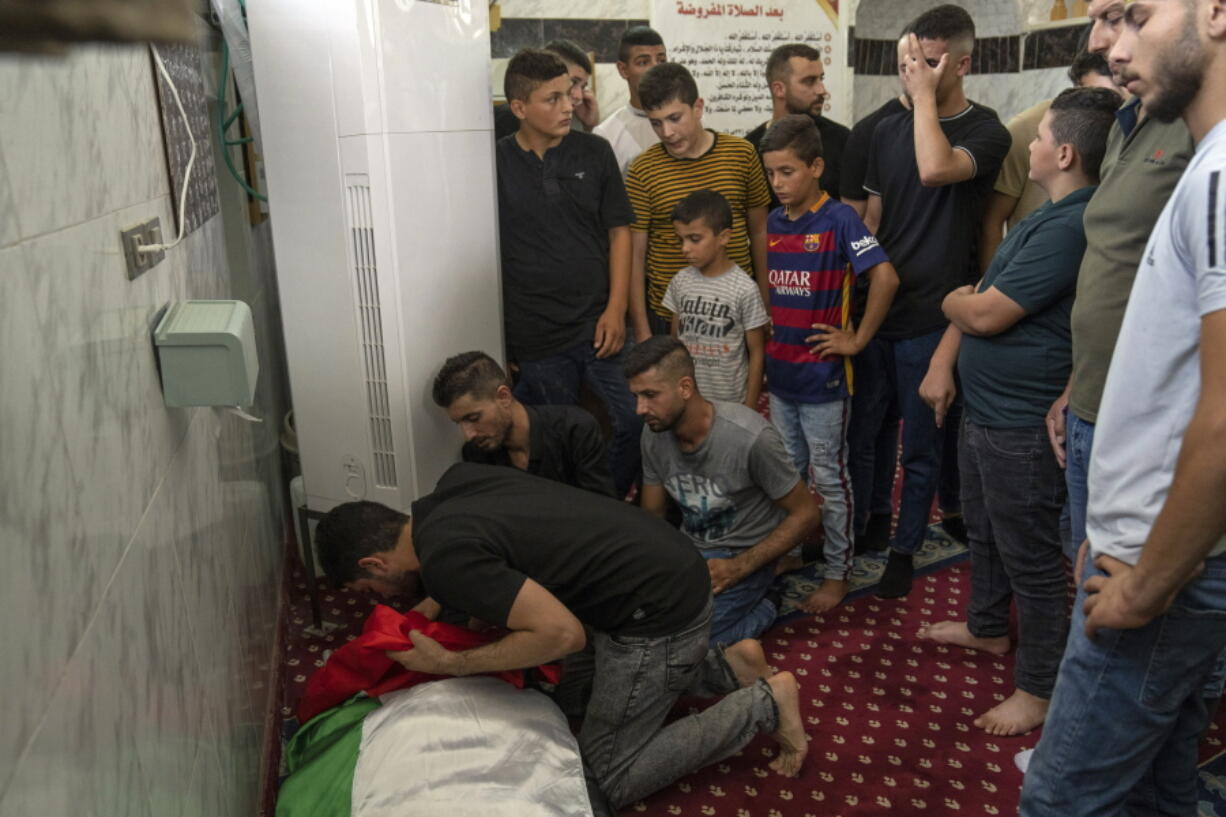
[207,354]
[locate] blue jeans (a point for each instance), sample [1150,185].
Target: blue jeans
[1078,438]
[922,441]
[1012,493]
[555,381]
[815,435]
[1128,711]
[872,435]
[624,741]
[742,611]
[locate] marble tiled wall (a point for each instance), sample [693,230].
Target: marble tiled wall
[140,546]
[883,19]
[999,79]
[596,27]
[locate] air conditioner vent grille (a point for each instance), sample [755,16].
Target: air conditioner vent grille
[370,324]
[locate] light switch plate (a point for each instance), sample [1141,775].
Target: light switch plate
[145,233]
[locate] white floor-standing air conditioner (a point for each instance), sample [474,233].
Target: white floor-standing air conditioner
[378,148]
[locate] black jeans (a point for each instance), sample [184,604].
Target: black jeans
[555,380]
[1012,495]
[872,435]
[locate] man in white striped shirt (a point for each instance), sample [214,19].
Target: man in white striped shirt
[1128,713]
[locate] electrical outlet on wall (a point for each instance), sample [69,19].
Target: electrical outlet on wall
[145,234]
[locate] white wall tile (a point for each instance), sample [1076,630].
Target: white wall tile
[86,434]
[9,230]
[86,752]
[151,537]
[81,135]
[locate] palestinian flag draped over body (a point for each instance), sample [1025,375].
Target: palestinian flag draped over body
[459,747]
[409,744]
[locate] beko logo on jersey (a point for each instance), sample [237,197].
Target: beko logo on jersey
[863,245]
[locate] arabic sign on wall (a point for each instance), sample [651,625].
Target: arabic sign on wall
[725,46]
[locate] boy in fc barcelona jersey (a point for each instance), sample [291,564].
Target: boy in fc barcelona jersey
[815,245]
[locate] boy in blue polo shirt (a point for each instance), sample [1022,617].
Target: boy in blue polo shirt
[1010,338]
[815,245]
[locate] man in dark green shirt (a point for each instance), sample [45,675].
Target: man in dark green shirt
[1011,340]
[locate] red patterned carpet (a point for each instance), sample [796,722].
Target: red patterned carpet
[889,715]
[889,720]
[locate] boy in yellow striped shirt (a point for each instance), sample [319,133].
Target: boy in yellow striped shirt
[688,157]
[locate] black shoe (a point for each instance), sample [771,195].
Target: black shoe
[896,579]
[955,526]
[876,536]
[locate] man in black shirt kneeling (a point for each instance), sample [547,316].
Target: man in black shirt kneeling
[562,569]
[561,443]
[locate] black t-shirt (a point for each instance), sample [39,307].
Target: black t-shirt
[565,445]
[554,218]
[931,233]
[855,164]
[620,570]
[855,155]
[834,139]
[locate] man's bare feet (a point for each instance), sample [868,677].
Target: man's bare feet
[1016,715]
[788,563]
[826,597]
[748,661]
[793,745]
[956,633]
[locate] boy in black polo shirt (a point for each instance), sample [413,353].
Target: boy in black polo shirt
[565,242]
[930,172]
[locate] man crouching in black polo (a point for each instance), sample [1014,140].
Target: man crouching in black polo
[490,540]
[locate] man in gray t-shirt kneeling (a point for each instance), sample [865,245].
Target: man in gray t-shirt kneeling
[742,502]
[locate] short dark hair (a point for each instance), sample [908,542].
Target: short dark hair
[707,205]
[571,52]
[663,351]
[947,22]
[796,132]
[779,69]
[666,82]
[351,532]
[1088,63]
[637,35]
[528,69]
[1082,117]
[471,373]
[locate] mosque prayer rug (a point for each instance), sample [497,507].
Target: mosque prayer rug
[889,716]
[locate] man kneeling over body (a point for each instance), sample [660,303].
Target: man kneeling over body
[490,540]
[742,501]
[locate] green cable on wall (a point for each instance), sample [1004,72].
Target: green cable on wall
[224,121]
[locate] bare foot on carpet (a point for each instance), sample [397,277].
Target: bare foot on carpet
[793,745]
[826,597]
[1016,715]
[956,633]
[748,661]
[788,563]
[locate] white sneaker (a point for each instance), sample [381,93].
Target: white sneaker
[1022,759]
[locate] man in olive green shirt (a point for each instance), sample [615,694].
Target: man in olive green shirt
[1145,159]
